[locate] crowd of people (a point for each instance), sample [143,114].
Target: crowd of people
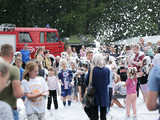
[115,74]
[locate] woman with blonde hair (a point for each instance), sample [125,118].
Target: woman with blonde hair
[35,88]
[39,56]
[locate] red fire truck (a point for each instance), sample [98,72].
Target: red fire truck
[33,37]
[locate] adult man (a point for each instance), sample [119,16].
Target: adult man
[13,90]
[89,56]
[154,85]
[141,44]
[4,107]
[137,62]
[25,55]
[84,66]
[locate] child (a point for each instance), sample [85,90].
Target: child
[75,87]
[35,89]
[53,88]
[81,76]
[18,63]
[117,80]
[145,68]
[131,85]
[122,71]
[65,77]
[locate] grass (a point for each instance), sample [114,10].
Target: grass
[74,39]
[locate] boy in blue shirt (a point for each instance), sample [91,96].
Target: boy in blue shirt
[65,77]
[25,55]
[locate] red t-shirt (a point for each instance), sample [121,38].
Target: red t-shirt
[138,57]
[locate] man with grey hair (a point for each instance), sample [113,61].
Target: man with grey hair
[13,90]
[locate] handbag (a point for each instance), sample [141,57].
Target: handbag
[89,97]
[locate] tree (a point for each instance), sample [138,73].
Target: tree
[107,20]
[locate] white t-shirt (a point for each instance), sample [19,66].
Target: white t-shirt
[52,83]
[5,111]
[36,85]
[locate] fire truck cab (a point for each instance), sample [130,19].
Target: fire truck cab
[33,37]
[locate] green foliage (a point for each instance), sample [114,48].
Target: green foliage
[106,20]
[128,18]
[81,39]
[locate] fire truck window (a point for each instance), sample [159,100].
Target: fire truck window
[42,37]
[24,37]
[52,37]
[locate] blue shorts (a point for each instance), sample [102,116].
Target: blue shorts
[65,92]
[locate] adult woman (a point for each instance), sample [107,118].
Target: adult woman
[100,81]
[82,51]
[47,60]
[4,107]
[74,52]
[40,55]
[56,63]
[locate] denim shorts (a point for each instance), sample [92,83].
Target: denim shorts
[66,92]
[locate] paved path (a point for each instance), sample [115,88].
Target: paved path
[75,112]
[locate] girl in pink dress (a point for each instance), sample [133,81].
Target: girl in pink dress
[131,85]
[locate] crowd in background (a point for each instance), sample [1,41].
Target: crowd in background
[118,72]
